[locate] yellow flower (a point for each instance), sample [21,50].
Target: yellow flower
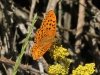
[57,70]
[88,69]
[59,55]
[59,52]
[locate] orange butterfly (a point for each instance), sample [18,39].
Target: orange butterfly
[45,35]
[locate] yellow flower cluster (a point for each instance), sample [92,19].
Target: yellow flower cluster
[62,64]
[59,52]
[88,69]
[57,70]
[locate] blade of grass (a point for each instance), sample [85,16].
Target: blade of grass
[23,47]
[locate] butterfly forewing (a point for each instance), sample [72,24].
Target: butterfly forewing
[49,24]
[48,27]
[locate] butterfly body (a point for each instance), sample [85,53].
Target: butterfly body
[45,36]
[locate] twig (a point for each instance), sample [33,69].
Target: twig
[23,67]
[32,10]
[41,67]
[59,20]
[67,21]
[79,31]
[80,26]
[51,5]
[14,40]
[44,63]
[5,69]
[74,32]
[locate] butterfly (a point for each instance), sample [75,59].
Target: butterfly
[45,35]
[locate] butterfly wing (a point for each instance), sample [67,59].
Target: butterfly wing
[38,51]
[49,24]
[48,27]
[44,35]
[40,48]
